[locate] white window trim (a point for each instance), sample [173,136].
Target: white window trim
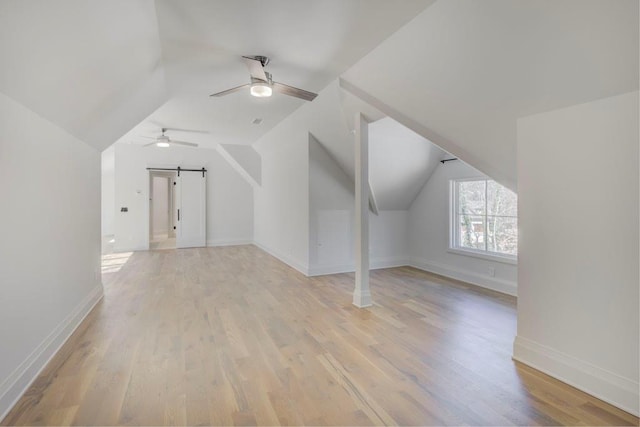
[453,217]
[489,256]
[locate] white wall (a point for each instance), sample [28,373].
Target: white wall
[429,235]
[331,213]
[332,221]
[388,239]
[229,196]
[108,191]
[50,246]
[304,208]
[281,219]
[578,275]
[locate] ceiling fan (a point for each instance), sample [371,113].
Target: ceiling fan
[164,141]
[262,85]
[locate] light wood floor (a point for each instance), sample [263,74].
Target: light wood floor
[232,336]
[162,242]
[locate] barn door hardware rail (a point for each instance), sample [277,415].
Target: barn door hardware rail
[179,169]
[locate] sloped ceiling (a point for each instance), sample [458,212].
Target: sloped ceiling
[99,68]
[93,68]
[400,163]
[466,70]
[310,43]
[245,159]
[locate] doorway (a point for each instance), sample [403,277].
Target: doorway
[162,202]
[177,208]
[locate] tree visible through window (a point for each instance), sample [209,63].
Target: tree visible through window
[485,217]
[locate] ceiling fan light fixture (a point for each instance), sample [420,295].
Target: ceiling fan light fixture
[261,90]
[163,140]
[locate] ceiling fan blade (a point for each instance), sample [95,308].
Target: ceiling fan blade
[151,143]
[294,91]
[255,68]
[187,130]
[228,91]
[188,144]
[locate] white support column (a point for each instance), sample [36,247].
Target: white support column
[361,293]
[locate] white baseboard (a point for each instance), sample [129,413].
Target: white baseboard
[605,385]
[375,264]
[500,285]
[389,262]
[21,378]
[229,242]
[322,270]
[298,265]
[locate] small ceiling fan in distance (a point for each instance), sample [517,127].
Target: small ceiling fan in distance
[163,141]
[262,84]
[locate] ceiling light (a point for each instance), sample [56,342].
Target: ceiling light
[163,140]
[261,90]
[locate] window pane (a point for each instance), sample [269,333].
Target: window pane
[501,200]
[502,235]
[471,231]
[471,197]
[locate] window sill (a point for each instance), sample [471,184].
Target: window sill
[485,256]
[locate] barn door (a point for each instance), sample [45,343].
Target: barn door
[191,192]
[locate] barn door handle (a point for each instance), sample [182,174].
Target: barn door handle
[178,214]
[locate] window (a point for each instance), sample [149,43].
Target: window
[484,218]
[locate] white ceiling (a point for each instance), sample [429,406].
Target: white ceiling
[400,162]
[99,68]
[466,70]
[93,68]
[310,43]
[463,69]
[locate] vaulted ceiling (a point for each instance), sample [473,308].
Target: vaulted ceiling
[93,68]
[101,69]
[459,72]
[464,71]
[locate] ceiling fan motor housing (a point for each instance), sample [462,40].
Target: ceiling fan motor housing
[264,60]
[262,84]
[257,80]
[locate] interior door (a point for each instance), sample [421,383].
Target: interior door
[191,192]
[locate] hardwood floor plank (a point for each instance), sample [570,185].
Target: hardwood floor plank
[232,336]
